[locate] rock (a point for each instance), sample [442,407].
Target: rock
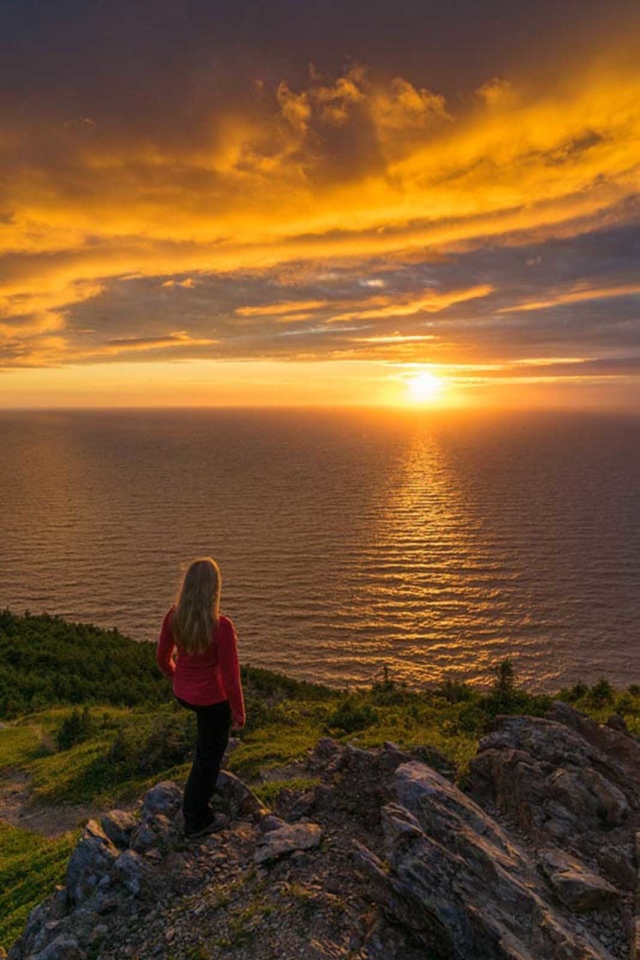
[58,903]
[155,830]
[118,826]
[241,800]
[326,748]
[564,780]
[302,805]
[92,858]
[355,756]
[617,862]
[393,755]
[164,798]
[133,872]
[367,862]
[386,941]
[98,932]
[326,756]
[323,796]
[536,861]
[616,754]
[617,722]
[270,822]
[284,840]
[578,887]
[62,948]
[460,883]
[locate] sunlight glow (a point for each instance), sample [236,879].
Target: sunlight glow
[424,388]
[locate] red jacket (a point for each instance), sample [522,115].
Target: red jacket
[204,678]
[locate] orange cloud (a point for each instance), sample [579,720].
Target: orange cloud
[342,170]
[580,295]
[280,309]
[433,302]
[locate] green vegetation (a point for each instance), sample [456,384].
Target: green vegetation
[18,745]
[30,867]
[92,721]
[270,791]
[46,660]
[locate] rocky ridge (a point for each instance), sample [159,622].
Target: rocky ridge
[532,857]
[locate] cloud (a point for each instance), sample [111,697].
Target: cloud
[281,309]
[283,206]
[433,302]
[583,293]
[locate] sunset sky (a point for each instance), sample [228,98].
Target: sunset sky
[333,202]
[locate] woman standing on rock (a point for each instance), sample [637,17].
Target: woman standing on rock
[197,650]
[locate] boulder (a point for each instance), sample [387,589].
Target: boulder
[91,860]
[240,799]
[286,839]
[154,831]
[270,822]
[131,870]
[118,826]
[578,887]
[164,798]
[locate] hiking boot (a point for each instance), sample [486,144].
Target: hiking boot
[214,822]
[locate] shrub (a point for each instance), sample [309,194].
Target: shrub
[350,716]
[472,720]
[625,704]
[504,697]
[454,691]
[601,693]
[167,744]
[76,727]
[388,693]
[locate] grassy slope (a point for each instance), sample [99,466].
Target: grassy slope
[119,750]
[30,867]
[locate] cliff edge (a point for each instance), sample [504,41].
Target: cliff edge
[532,857]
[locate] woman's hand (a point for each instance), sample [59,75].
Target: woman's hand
[237,725]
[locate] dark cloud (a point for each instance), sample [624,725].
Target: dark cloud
[158,65]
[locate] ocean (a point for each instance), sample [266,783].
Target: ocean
[435,544]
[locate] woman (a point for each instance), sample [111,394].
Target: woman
[206,679]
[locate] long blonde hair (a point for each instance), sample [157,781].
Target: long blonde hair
[197,612]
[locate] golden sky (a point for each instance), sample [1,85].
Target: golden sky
[319,209]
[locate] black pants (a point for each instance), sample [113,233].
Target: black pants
[214,725]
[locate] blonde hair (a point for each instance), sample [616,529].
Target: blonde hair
[197,612]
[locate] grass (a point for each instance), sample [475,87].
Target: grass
[18,746]
[30,867]
[127,750]
[269,792]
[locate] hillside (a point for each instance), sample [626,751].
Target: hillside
[78,749]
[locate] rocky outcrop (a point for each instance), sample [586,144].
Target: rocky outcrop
[124,865]
[385,857]
[462,885]
[567,781]
[535,859]
[91,860]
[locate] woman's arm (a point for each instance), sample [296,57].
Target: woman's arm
[166,646]
[230,672]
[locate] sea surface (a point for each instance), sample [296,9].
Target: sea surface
[434,544]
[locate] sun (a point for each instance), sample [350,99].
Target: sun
[424,388]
